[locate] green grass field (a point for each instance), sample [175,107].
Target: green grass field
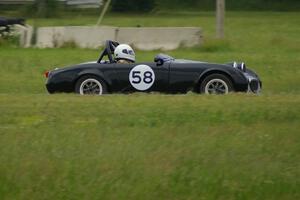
[155,146]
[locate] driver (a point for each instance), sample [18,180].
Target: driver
[124,54]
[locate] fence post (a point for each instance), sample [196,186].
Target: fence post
[220,10]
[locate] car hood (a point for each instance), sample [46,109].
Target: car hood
[186,61]
[89,62]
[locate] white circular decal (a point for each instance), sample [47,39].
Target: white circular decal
[142,77]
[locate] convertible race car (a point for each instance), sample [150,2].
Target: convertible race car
[165,74]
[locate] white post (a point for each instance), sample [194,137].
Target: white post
[220,18]
[103,12]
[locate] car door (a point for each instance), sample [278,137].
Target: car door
[142,77]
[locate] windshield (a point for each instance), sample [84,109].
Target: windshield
[164,58]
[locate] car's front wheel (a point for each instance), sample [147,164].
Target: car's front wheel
[216,84]
[90,85]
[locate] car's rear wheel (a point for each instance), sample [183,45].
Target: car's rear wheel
[90,85]
[216,84]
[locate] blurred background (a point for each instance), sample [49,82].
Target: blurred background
[52,8]
[263,33]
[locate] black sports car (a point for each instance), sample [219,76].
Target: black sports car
[165,74]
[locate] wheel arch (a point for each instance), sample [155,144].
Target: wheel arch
[98,75]
[210,72]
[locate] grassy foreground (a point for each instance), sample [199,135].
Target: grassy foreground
[151,146]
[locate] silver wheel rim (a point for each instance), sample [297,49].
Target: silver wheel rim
[216,86]
[91,87]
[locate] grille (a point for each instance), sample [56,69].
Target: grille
[254,86]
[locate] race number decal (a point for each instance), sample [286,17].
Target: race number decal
[142,77]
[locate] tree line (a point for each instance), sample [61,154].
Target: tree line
[152,5]
[50,8]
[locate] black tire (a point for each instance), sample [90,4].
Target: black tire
[90,85]
[216,84]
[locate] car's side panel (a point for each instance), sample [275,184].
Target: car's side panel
[161,77]
[183,76]
[61,80]
[239,81]
[122,83]
[187,76]
[106,72]
[64,80]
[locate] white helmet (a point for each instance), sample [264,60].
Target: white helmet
[124,51]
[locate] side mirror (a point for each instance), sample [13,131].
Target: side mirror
[159,61]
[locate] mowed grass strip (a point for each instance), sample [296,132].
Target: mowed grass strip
[149,147]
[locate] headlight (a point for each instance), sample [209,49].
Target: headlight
[240,66]
[243,67]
